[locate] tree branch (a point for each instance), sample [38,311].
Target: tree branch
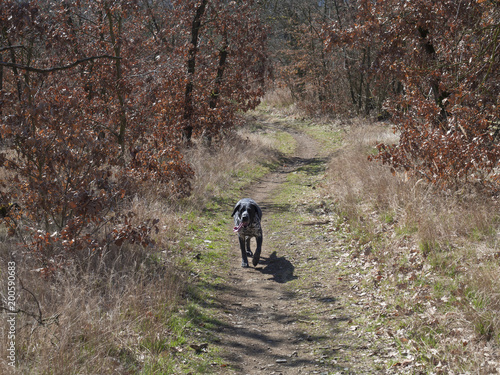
[56,68]
[10,47]
[38,317]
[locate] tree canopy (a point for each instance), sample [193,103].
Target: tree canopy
[99,97]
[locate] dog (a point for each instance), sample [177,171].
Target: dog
[247,216]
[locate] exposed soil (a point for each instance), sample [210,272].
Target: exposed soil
[293,313]
[261,332]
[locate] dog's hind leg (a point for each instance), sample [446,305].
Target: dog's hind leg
[244,259]
[256,256]
[247,242]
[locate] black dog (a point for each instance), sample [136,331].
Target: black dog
[247,215]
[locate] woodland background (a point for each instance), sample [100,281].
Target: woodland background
[100,101]
[98,97]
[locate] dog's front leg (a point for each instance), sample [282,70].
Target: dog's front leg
[249,251]
[244,259]
[256,256]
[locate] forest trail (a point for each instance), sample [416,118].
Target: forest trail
[296,312]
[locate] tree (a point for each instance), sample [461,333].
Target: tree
[443,59]
[226,63]
[323,79]
[93,104]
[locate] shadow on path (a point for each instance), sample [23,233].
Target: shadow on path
[280,268]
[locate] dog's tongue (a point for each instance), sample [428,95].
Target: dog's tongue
[237,229]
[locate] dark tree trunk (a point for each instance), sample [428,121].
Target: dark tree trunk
[439,95]
[214,96]
[187,131]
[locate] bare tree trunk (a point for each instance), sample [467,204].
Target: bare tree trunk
[214,96]
[368,98]
[187,131]
[439,95]
[117,53]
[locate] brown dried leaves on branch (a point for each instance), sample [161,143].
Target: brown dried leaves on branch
[444,56]
[431,67]
[91,106]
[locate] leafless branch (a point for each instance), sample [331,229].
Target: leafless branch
[38,317]
[56,68]
[10,47]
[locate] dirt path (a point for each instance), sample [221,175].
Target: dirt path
[317,303]
[287,315]
[260,332]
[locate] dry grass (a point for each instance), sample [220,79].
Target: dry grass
[93,319]
[215,168]
[442,242]
[279,98]
[110,313]
[438,217]
[307,103]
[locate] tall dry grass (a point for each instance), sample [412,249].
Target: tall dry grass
[455,235]
[88,319]
[215,167]
[109,313]
[279,98]
[438,217]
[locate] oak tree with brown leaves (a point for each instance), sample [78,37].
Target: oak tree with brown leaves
[94,99]
[445,55]
[433,67]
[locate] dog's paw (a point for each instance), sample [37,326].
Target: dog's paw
[255,260]
[244,264]
[249,254]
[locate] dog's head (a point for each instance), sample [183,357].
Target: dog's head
[245,211]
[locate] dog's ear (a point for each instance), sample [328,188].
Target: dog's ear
[258,210]
[236,208]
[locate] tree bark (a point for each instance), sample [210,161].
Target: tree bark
[187,131]
[214,96]
[439,95]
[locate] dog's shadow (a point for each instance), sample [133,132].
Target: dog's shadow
[280,268]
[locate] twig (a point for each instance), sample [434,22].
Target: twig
[11,47]
[38,317]
[56,68]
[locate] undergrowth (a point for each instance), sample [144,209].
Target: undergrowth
[436,253]
[134,309]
